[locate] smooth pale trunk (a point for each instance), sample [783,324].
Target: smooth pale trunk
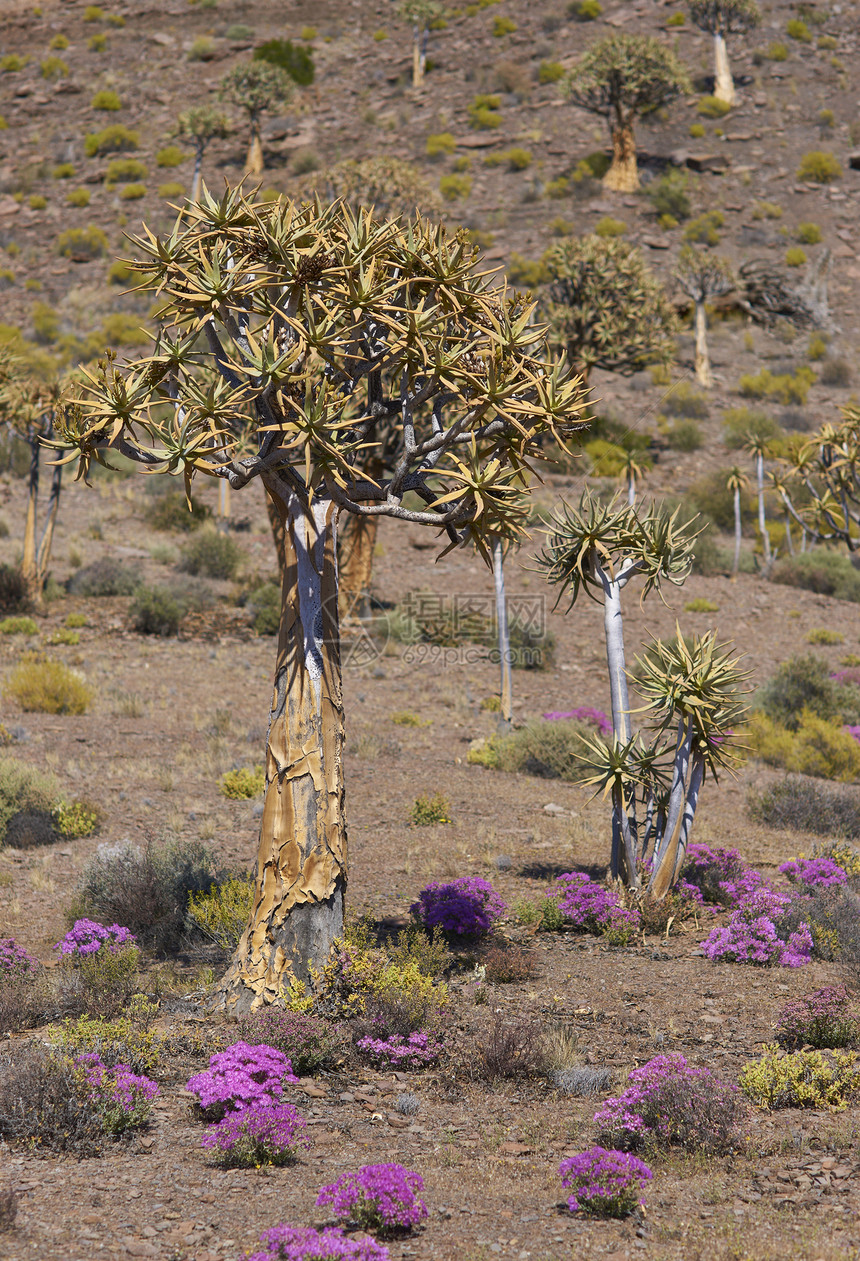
[254,160]
[28,562]
[702,359]
[631,490]
[356,540]
[789,541]
[301,860]
[663,872]
[697,776]
[613,628]
[506,690]
[762,522]
[724,85]
[224,500]
[623,858]
[418,59]
[623,174]
[195,178]
[737,560]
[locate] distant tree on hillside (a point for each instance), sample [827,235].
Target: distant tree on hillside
[721,18]
[256,86]
[703,276]
[420,14]
[621,78]
[198,126]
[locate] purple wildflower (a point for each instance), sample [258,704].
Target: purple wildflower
[820,1019]
[669,1100]
[124,1097]
[266,1134]
[468,905]
[304,1243]
[15,962]
[382,1198]
[241,1077]
[418,1050]
[604,1183]
[751,934]
[821,872]
[85,937]
[590,906]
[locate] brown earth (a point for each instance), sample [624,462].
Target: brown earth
[171,715]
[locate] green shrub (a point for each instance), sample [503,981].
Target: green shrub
[264,604]
[798,30]
[740,422]
[767,210]
[203,48]
[243,784]
[103,578]
[76,818]
[12,63]
[684,400]
[98,43]
[106,100]
[782,387]
[704,229]
[585,10]
[818,747]
[53,68]
[515,159]
[827,573]
[670,194]
[42,685]
[548,750]
[795,256]
[169,511]
[801,1079]
[676,19]
[822,635]
[114,139]
[64,171]
[827,43]
[25,792]
[701,605]
[82,244]
[503,26]
[297,61]
[132,192]
[609,227]
[439,144]
[94,13]
[712,107]
[801,683]
[59,42]
[557,188]
[124,171]
[78,197]
[223,913]
[171,189]
[776,52]
[170,156]
[685,435]
[18,626]
[37,202]
[550,72]
[156,611]
[819,167]
[453,187]
[697,131]
[801,806]
[211,554]
[125,1040]
[484,112]
[809,233]
[427,810]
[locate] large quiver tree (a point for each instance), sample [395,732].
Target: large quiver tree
[291,335]
[621,78]
[606,308]
[820,483]
[721,18]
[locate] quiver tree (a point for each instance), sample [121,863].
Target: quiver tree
[758,447]
[198,126]
[721,18]
[621,78]
[28,407]
[596,549]
[420,14]
[737,481]
[703,277]
[255,87]
[290,335]
[606,308]
[820,482]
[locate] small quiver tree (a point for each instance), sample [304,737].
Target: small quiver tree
[703,276]
[721,18]
[255,87]
[290,335]
[621,78]
[199,126]
[820,482]
[28,407]
[737,481]
[758,446]
[596,550]
[606,308]
[420,14]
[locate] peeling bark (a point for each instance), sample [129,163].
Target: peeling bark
[623,174]
[301,861]
[356,541]
[724,85]
[702,359]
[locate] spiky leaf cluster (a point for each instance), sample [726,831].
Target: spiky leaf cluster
[256,86]
[725,17]
[615,539]
[625,76]
[606,308]
[703,275]
[291,335]
[200,124]
[820,483]
[27,403]
[389,186]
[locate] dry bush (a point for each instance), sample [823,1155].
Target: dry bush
[512,1049]
[508,964]
[43,686]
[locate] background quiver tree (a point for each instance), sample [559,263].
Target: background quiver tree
[255,87]
[721,18]
[621,78]
[758,446]
[596,549]
[420,14]
[606,308]
[389,186]
[819,483]
[28,406]
[703,276]
[199,126]
[290,335]
[737,481]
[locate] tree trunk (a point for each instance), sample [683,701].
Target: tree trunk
[417,59]
[724,86]
[702,360]
[224,504]
[762,520]
[301,861]
[356,541]
[623,174]
[737,559]
[29,565]
[254,160]
[506,711]
[631,489]
[614,633]
[195,178]
[665,861]
[276,521]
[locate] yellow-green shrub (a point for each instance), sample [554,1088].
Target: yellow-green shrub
[78,197]
[550,72]
[712,107]
[106,100]
[125,1040]
[18,626]
[453,187]
[809,233]
[818,747]
[171,189]
[223,913]
[243,784]
[43,686]
[76,818]
[819,167]
[170,156]
[357,973]
[801,1079]
[53,68]
[795,256]
[114,139]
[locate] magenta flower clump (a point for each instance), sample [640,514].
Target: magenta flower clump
[304,1243]
[15,962]
[604,1183]
[752,933]
[85,937]
[241,1077]
[266,1134]
[820,1019]
[416,1051]
[468,906]
[382,1198]
[673,1102]
[124,1098]
[588,905]
[585,713]
[821,873]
